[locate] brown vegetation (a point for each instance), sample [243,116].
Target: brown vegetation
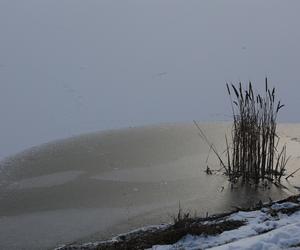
[254,152]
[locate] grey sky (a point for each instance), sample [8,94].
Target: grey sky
[68,67]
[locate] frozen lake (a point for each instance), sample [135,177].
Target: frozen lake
[69,68]
[97,185]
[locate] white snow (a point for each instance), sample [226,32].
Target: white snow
[261,231]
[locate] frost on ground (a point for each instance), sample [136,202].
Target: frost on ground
[274,227]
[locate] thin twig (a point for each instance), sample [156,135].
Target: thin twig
[292,173]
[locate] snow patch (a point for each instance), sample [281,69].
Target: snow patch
[263,230]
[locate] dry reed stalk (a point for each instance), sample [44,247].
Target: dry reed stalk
[254,138]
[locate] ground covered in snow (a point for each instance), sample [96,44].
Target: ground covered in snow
[275,225]
[272,227]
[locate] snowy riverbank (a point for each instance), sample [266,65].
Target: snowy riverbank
[269,226]
[275,227]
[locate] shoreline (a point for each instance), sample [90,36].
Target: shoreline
[154,237]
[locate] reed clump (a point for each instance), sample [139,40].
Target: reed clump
[253,152]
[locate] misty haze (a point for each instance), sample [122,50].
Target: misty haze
[97,102]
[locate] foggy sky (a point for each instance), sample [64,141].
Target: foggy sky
[70,67]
